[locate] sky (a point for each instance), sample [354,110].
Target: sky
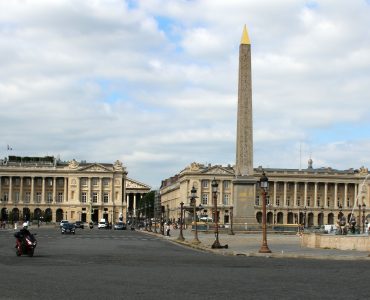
[153,83]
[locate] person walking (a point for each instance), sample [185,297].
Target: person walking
[167,229]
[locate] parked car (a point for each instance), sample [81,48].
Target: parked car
[79,224]
[62,222]
[120,226]
[102,224]
[68,228]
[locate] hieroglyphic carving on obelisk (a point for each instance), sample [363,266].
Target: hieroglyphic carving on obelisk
[244,138]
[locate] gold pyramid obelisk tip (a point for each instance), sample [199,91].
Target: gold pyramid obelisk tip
[245,37]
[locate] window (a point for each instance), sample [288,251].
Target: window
[94,181]
[308,201]
[204,199]
[95,197]
[28,181]
[16,181]
[328,202]
[60,182]
[106,197]
[267,200]
[106,181]
[39,181]
[38,197]
[60,197]
[5,197]
[49,198]
[298,201]
[226,199]
[226,184]
[205,183]
[50,182]
[84,181]
[257,200]
[83,197]
[288,201]
[277,201]
[27,197]
[318,201]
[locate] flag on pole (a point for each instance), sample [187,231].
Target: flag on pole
[9,148]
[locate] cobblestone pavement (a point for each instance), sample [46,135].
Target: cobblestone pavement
[281,245]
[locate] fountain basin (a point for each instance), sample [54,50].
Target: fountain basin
[342,242]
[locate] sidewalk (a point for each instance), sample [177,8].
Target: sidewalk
[281,246]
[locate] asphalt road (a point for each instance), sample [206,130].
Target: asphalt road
[107,264]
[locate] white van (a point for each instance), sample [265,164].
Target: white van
[102,223]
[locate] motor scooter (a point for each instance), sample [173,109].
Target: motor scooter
[25,244]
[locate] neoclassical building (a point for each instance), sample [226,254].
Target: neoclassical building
[45,187]
[309,196]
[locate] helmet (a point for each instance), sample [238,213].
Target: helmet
[25,225]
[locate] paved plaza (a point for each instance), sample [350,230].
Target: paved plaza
[281,245]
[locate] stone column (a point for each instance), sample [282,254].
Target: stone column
[295,195]
[43,190]
[32,189]
[89,191]
[54,189]
[1,195]
[65,192]
[326,195]
[10,189]
[335,195]
[275,189]
[355,196]
[134,206]
[101,190]
[285,191]
[21,190]
[345,195]
[305,195]
[315,196]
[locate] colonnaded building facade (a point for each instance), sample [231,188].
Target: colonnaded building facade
[46,188]
[311,196]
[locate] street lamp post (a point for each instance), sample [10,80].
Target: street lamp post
[193,196]
[216,244]
[363,217]
[231,231]
[359,218]
[304,216]
[264,186]
[181,236]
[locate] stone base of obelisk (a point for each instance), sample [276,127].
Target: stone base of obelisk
[244,199]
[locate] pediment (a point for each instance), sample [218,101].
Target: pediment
[133,184]
[95,168]
[217,170]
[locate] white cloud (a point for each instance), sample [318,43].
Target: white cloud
[155,83]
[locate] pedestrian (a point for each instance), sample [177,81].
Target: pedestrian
[168,229]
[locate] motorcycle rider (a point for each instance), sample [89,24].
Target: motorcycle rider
[22,233]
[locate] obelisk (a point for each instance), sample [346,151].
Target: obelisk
[244,183]
[244,136]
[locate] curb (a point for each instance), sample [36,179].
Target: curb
[256,254]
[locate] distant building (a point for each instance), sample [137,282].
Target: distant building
[45,188]
[309,196]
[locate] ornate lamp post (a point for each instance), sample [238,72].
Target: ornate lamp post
[216,244]
[359,218]
[363,217]
[264,186]
[181,237]
[193,196]
[231,231]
